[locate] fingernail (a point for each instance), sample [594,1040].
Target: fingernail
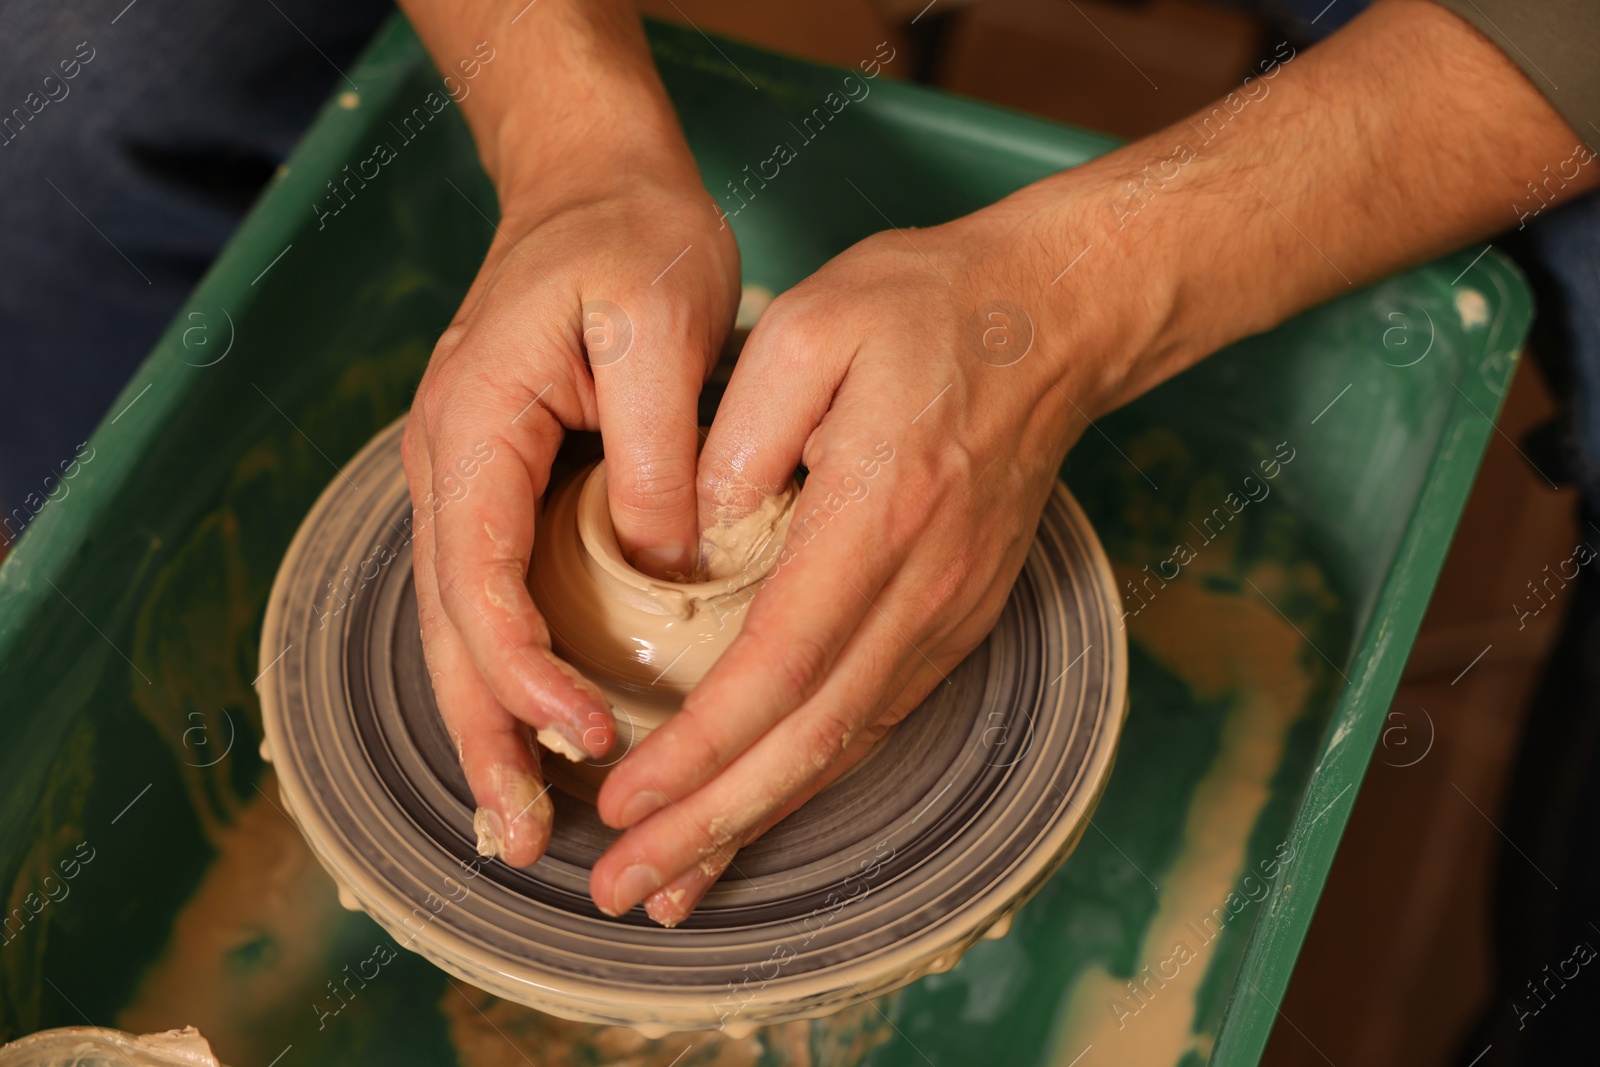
[644,803]
[665,907]
[562,738]
[532,813]
[636,883]
[596,710]
[665,561]
[491,831]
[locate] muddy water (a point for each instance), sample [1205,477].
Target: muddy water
[1249,651]
[265,963]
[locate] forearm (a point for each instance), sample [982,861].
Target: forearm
[1402,137]
[571,89]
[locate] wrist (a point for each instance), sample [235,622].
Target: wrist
[1105,300]
[1149,266]
[568,102]
[628,140]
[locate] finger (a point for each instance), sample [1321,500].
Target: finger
[500,444]
[672,903]
[647,389]
[780,390]
[675,901]
[773,776]
[513,812]
[805,611]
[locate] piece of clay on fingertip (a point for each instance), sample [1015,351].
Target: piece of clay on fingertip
[584,685]
[666,908]
[525,795]
[491,831]
[555,740]
[660,915]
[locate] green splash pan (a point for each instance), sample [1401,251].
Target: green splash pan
[1263,660]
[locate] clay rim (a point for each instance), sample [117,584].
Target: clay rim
[604,551]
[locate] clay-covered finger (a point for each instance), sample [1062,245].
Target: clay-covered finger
[834,563]
[489,470]
[648,364]
[672,903]
[513,812]
[675,901]
[787,765]
[781,388]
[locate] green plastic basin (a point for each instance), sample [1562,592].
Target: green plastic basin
[1279,516]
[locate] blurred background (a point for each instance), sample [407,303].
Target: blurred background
[1396,969]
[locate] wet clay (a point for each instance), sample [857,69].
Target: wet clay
[737,544]
[1246,649]
[644,641]
[251,955]
[71,1046]
[490,1032]
[251,944]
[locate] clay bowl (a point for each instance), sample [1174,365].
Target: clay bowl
[643,640]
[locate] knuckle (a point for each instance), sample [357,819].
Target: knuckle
[956,464]
[697,744]
[788,330]
[878,243]
[538,631]
[720,484]
[823,737]
[478,582]
[656,488]
[941,468]
[712,483]
[798,668]
[411,450]
[490,568]
[432,391]
[1015,479]
[430,404]
[780,314]
[450,340]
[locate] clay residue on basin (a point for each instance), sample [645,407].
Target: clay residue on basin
[249,945]
[490,1032]
[262,956]
[1227,640]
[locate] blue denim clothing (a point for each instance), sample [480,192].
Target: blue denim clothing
[1563,245]
[131,141]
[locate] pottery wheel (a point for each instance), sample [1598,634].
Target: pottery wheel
[890,873]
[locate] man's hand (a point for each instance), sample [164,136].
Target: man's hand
[605,296]
[1404,136]
[905,377]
